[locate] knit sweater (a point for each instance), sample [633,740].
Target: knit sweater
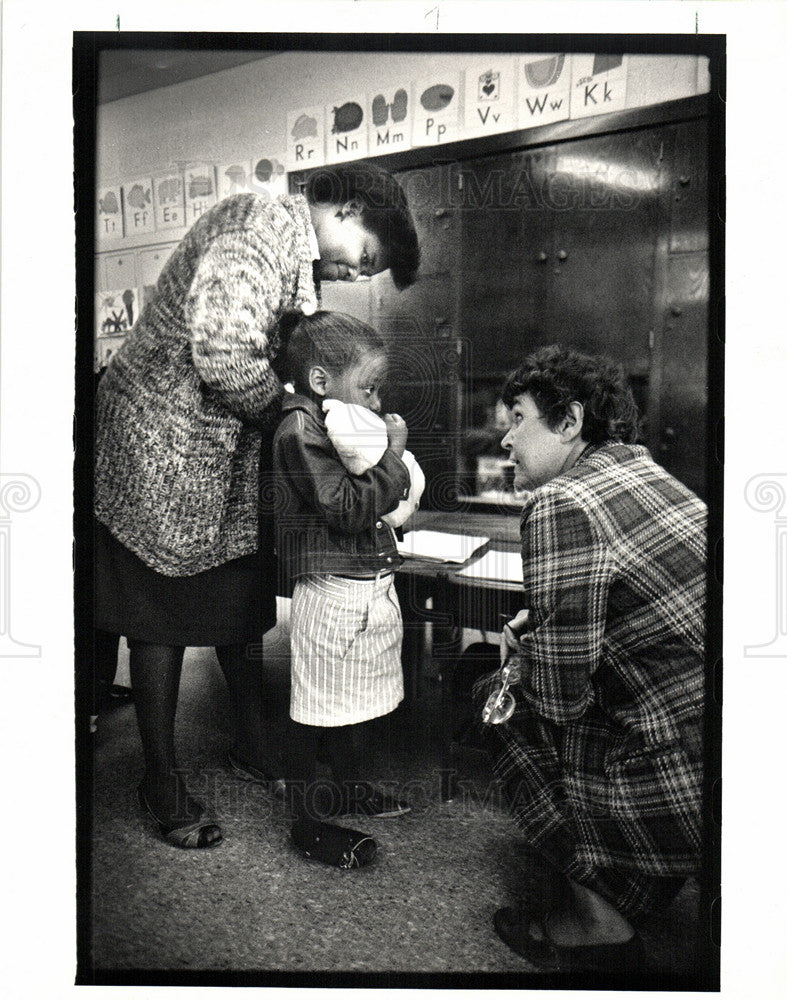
[182,405]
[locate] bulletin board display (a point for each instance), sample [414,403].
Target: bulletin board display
[174,199]
[493,94]
[116,311]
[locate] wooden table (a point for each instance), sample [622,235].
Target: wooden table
[434,593]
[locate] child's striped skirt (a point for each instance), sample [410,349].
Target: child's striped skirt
[346,638]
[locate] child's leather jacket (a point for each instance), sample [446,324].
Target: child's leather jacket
[329,521]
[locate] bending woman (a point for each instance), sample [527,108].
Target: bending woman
[601,758]
[182,414]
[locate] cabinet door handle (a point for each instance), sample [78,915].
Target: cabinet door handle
[542,257]
[562,255]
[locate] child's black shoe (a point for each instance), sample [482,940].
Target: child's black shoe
[333,845]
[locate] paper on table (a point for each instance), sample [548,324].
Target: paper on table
[440,545]
[495,565]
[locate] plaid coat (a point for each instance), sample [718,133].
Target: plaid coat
[602,759]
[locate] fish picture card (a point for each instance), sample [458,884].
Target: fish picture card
[138,214]
[233,178]
[168,208]
[346,131]
[544,83]
[389,115]
[436,110]
[116,311]
[199,181]
[109,214]
[305,138]
[268,177]
[489,96]
[598,84]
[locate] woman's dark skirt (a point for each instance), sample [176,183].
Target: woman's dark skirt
[231,603]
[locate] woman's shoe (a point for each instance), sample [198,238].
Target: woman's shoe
[201,832]
[333,845]
[513,927]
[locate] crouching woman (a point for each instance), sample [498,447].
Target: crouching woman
[604,669]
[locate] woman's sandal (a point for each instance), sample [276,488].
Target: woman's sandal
[200,832]
[513,926]
[333,845]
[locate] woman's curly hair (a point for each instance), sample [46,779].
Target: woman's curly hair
[555,378]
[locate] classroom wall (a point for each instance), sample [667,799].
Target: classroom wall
[240,113]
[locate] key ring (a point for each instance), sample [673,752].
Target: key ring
[500,705]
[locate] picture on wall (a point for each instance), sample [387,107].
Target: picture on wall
[390,120]
[489,96]
[109,213]
[544,89]
[116,311]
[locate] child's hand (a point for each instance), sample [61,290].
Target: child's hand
[397,433]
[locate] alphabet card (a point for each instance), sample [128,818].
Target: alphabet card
[489,96]
[138,207]
[268,177]
[390,117]
[436,110]
[346,131]
[544,89]
[199,180]
[598,84]
[168,201]
[305,138]
[109,214]
[233,178]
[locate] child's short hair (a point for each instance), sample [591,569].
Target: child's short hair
[333,340]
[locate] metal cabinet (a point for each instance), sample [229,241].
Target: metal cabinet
[680,364]
[562,250]
[427,360]
[597,242]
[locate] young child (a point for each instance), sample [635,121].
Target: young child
[334,544]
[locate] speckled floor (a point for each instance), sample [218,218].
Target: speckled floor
[252,905]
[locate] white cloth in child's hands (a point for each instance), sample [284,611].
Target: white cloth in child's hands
[357,433]
[360,439]
[408,507]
